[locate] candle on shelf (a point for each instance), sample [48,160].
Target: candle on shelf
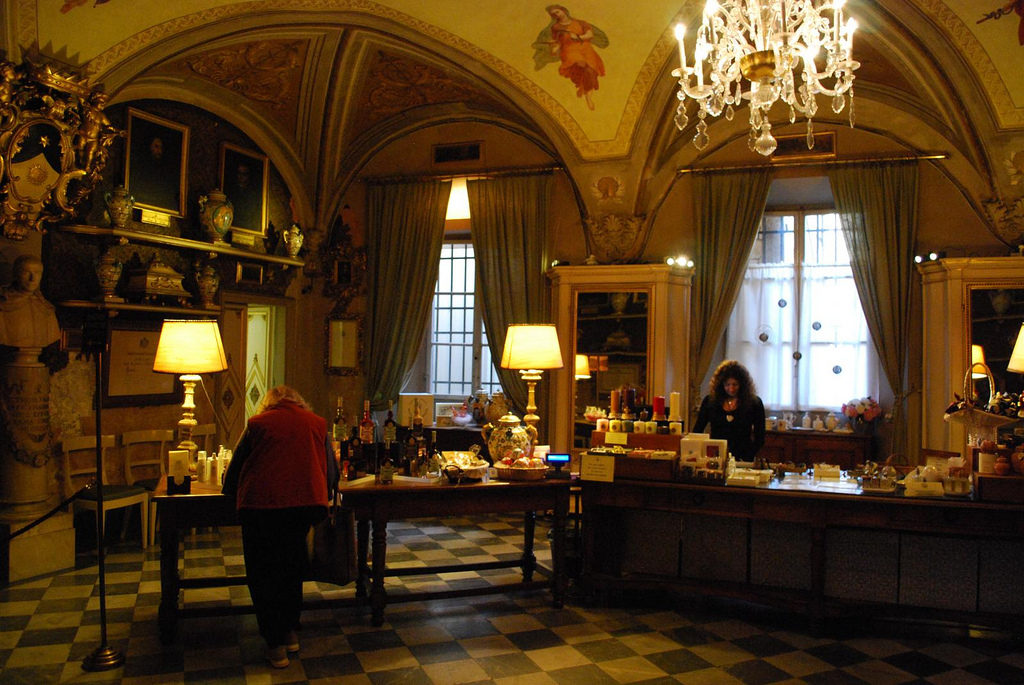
[674,406]
[614,413]
[628,397]
[659,408]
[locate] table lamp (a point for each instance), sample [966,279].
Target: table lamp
[582,366]
[977,357]
[189,348]
[1016,363]
[531,348]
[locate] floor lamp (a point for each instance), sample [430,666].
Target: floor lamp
[95,343]
[531,348]
[189,347]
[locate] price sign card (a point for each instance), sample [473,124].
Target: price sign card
[600,467]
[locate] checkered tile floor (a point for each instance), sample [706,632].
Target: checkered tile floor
[48,626]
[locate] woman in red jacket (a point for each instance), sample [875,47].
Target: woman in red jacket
[279,476]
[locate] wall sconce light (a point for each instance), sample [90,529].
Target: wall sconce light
[930,257]
[680,260]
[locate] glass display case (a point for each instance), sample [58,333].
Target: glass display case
[632,323]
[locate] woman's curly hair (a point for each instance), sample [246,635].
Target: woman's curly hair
[731,368]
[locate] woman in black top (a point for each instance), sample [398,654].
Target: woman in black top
[733,410]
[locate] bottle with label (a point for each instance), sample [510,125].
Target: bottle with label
[340,431]
[368,438]
[390,427]
[417,419]
[387,472]
[433,467]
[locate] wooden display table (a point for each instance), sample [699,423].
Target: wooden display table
[373,505]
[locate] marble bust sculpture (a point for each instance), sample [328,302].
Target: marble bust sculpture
[27,320]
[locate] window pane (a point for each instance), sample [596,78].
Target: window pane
[452,353]
[820,316]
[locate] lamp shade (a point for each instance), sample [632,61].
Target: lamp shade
[1016,363]
[977,357]
[190,347]
[582,366]
[531,346]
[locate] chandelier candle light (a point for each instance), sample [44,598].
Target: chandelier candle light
[766,42]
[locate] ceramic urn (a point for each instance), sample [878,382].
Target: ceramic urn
[508,436]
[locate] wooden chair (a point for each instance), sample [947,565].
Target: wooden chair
[114,496]
[145,463]
[205,435]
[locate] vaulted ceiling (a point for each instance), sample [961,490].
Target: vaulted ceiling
[320,85]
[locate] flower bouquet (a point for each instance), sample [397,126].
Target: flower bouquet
[862,413]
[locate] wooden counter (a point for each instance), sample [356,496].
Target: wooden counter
[805,446]
[819,553]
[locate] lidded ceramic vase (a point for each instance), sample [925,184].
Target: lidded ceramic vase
[508,436]
[496,407]
[207,281]
[293,240]
[108,273]
[216,214]
[119,206]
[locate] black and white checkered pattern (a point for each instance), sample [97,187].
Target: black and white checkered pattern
[48,626]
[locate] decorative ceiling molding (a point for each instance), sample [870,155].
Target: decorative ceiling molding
[394,84]
[267,72]
[1007,113]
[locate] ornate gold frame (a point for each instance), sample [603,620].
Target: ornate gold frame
[54,140]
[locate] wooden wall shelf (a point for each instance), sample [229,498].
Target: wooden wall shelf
[180,243]
[134,307]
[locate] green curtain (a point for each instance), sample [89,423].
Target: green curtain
[510,230]
[730,205]
[405,229]
[877,205]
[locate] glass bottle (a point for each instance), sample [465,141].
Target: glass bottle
[417,419]
[387,472]
[367,427]
[368,440]
[390,427]
[340,431]
[433,466]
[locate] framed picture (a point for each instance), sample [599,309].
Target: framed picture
[246,272]
[244,179]
[344,346]
[156,162]
[128,376]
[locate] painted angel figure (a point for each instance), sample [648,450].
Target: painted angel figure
[572,42]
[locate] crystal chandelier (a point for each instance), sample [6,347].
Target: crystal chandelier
[765,42]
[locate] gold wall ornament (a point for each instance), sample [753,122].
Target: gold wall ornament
[616,238]
[54,143]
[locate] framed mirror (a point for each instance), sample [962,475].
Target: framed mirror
[612,330]
[344,354]
[996,312]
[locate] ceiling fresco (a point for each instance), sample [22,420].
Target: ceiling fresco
[287,57]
